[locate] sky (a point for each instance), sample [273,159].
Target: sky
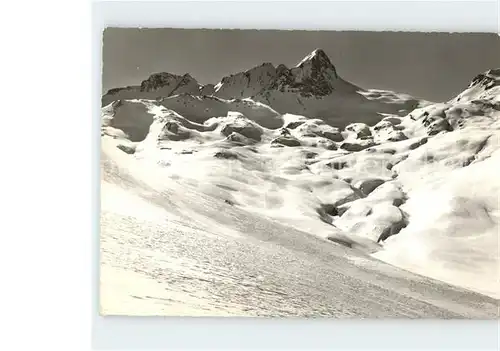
[433,66]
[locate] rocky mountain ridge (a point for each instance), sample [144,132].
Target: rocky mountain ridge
[313,88]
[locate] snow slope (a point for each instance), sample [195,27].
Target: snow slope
[416,190]
[171,247]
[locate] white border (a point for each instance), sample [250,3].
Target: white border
[371,15]
[203,333]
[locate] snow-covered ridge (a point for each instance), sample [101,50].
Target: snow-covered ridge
[314,88]
[313,76]
[485,86]
[246,84]
[316,58]
[159,85]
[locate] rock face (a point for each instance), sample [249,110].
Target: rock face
[358,130]
[368,185]
[246,84]
[357,146]
[315,128]
[156,86]
[313,76]
[126,148]
[243,127]
[237,138]
[286,140]
[208,89]
[485,86]
[435,125]
[170,83]
[388,129]
[226,154]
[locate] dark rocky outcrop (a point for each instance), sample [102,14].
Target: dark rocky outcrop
[226,154]
[286,141]
[354,146]
[246,129]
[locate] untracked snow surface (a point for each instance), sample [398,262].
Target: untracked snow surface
[231,205]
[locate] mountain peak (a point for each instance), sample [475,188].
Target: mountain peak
[165,79]
[318,58]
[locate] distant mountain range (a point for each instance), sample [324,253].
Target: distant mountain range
[312,88]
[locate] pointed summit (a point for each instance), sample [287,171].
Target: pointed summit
[317,58]
[317,63]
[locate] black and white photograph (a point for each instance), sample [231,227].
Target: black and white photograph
[294,173]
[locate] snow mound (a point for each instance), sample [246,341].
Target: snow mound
[201,108]
[453,229]
[317,128]
[285,140]
[237,123]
